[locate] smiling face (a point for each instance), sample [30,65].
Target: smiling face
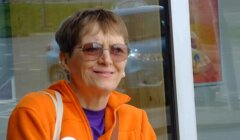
[102,74]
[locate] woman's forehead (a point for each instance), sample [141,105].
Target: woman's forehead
[95,29]
[103,38]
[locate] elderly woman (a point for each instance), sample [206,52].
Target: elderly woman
[94,52]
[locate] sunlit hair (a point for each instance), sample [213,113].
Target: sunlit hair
[73,29]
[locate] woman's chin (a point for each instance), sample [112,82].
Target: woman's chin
[106,88]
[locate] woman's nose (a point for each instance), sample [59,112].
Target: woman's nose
[106,57]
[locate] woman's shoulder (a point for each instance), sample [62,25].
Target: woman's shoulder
[131,110]
[34,110]
[35,101]
[130,107]
[132,118]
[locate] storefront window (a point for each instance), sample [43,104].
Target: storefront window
[29,58]
[215,47]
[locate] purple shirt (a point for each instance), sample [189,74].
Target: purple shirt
[96,120]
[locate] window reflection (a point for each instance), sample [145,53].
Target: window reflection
[35,52]
[216,82]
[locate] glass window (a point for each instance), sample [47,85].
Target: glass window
[215,48]
[29,54]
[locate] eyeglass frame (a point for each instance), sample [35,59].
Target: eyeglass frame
[100,54]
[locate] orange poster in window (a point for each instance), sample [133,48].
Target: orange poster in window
[205,41]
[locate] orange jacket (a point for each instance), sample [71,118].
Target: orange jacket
[34,118]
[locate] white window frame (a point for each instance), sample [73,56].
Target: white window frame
[182,58]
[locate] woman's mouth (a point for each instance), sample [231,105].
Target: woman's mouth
[104,73]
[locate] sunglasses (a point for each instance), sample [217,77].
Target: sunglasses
[93,51]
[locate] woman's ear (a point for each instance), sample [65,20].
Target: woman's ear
[63,60]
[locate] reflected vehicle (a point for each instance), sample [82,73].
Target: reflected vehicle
[144,67]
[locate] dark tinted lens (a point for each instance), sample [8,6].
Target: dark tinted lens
[119,52]
[119,49]
[93,49]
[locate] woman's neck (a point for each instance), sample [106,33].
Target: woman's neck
[92,102]
[91,99]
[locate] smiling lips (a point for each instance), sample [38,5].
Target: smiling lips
[103,73]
